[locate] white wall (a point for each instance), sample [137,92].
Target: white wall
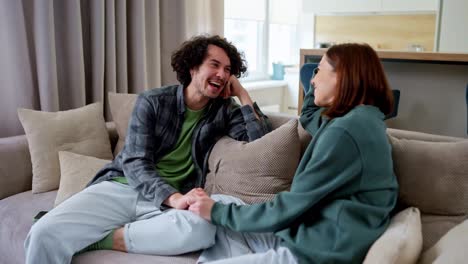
[453,26]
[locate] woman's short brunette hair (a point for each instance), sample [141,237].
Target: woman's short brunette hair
[360,79]
[192,52]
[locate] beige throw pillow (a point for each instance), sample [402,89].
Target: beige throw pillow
[121,107]
[76,171]
[80,130]
[255,171]
[401,242]
[437,168]
[451,248]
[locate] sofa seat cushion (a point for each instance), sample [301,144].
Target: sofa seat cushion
[16,218]
[117,257]
[17,213]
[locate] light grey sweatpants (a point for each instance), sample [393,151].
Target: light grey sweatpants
[90,215]
[233,247]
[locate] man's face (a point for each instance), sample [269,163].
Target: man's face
[212,75]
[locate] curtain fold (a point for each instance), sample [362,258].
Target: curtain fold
[58,55]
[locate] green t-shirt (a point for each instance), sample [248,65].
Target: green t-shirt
[177,165]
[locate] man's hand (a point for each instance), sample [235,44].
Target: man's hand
[180,201]
[234,88]
[202,205]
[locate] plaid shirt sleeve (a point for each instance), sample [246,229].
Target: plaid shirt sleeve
[138,156]
[244,125]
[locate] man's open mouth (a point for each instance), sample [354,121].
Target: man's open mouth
[216,84]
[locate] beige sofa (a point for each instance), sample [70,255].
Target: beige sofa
[422,179]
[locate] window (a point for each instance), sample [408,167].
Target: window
[266,31]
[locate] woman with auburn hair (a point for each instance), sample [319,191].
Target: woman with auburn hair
[344,188]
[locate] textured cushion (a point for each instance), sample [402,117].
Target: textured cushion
[278,119]
[75,172]
[435,226]
[80,130]
[401,243]
[255,171]
[435,168]
[121,107]
[451,248]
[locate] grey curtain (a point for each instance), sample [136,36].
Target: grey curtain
[63,54]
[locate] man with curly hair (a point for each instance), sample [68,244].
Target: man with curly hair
[138,203]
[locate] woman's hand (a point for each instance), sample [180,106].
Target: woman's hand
[180,201]
[202,205]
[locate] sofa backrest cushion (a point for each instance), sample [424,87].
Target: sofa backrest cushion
[81,130]
[407,134]
[431,171]
[432,175]
[76,171]
[255,171]
[121,107]
[15,166]
[278,119]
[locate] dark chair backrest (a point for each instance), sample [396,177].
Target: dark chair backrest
[306,74]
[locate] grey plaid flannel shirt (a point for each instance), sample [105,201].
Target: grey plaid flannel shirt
[153,131]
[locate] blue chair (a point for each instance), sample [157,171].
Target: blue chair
[307,73]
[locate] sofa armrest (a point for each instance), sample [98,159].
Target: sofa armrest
[15,166]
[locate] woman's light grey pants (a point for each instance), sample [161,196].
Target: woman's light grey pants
[246,248]
[90,215]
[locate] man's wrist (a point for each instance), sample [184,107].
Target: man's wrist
[172,199]
[244,98]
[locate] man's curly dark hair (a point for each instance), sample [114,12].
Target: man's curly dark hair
[192,52]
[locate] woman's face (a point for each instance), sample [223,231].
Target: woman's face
[324,83]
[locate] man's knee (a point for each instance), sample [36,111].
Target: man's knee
[194,229]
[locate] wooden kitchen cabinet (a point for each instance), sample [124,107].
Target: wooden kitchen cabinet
[369,6]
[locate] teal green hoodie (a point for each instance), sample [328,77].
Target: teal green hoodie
[341,196]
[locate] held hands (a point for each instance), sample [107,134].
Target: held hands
[180,201]
[196,201]
[202,205]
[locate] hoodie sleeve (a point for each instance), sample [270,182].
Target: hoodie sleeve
[311,114]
